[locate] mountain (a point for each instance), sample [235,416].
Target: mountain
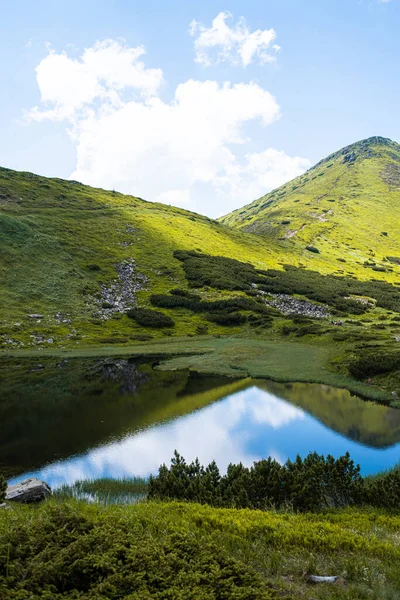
[76,258]
[345,210]
[81,266]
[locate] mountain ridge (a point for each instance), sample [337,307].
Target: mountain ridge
[346,203]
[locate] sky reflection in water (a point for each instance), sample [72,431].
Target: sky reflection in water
[244,427]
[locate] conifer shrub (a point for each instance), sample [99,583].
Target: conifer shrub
[73,551]
[150,318]
[334,290]
[369,364]
[226,318]
[3,488]
[312,249]
[308,484]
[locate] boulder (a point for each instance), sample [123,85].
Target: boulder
[29,490]
[35,316]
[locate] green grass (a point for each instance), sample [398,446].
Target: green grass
[316,360]
[105,490]
[342,211]
[61,242]
[173,550]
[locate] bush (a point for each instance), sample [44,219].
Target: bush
[335,290]
[312,483]
[377,363]
[312,249]
[150,318]
[226,318]
[74,551]
[3,488]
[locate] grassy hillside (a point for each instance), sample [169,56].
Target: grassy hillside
[347,207]
[81,256]
[83,267]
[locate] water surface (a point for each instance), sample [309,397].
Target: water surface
[64,421]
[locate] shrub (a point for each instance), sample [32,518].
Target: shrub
[377,363]
[226,318]
[74,551]
[150,318]
[3,488]
[312,483]
[93,268]
[227,274]
[312,249]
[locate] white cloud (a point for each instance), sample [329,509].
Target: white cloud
[237,45]
[189,152]
[259,173]
[102,73]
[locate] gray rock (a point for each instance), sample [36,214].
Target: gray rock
[29,490]
[5,506]
[36,316]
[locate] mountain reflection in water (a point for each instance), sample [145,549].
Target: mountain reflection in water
[119,418]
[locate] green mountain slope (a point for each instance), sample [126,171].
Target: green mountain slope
[81,256]
[347,207]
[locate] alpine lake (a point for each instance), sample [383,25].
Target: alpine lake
[68,420]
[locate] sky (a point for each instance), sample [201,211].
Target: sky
[203,105]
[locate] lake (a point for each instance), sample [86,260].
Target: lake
[65,420]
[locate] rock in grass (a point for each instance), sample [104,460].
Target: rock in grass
[29,490]
[320,579]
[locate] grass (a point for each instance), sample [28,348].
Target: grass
[105,490]
[315,360]
[175,550]
[61,241]
[341,210]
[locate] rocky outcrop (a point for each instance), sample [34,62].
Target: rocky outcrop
[27,491]
[292,306]
[121,293]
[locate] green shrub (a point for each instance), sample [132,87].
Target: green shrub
[335,290]
[312,483]
[3,488]
[226,318]
[377,363]
[312,249]
[71,551]
[384,490]
[216,271]
[150,318]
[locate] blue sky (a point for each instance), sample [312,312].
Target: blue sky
[207,121]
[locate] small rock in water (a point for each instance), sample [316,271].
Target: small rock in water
[29,490]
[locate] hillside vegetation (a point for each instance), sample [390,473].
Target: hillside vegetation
[342,215]
[183,551]
[86,268]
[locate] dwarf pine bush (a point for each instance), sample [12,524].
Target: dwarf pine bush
[3,488]
[310,484]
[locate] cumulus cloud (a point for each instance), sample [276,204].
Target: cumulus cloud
[190,152]
[102,73]
[237,45]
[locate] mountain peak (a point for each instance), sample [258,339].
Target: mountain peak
[372,147]
[346,209]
